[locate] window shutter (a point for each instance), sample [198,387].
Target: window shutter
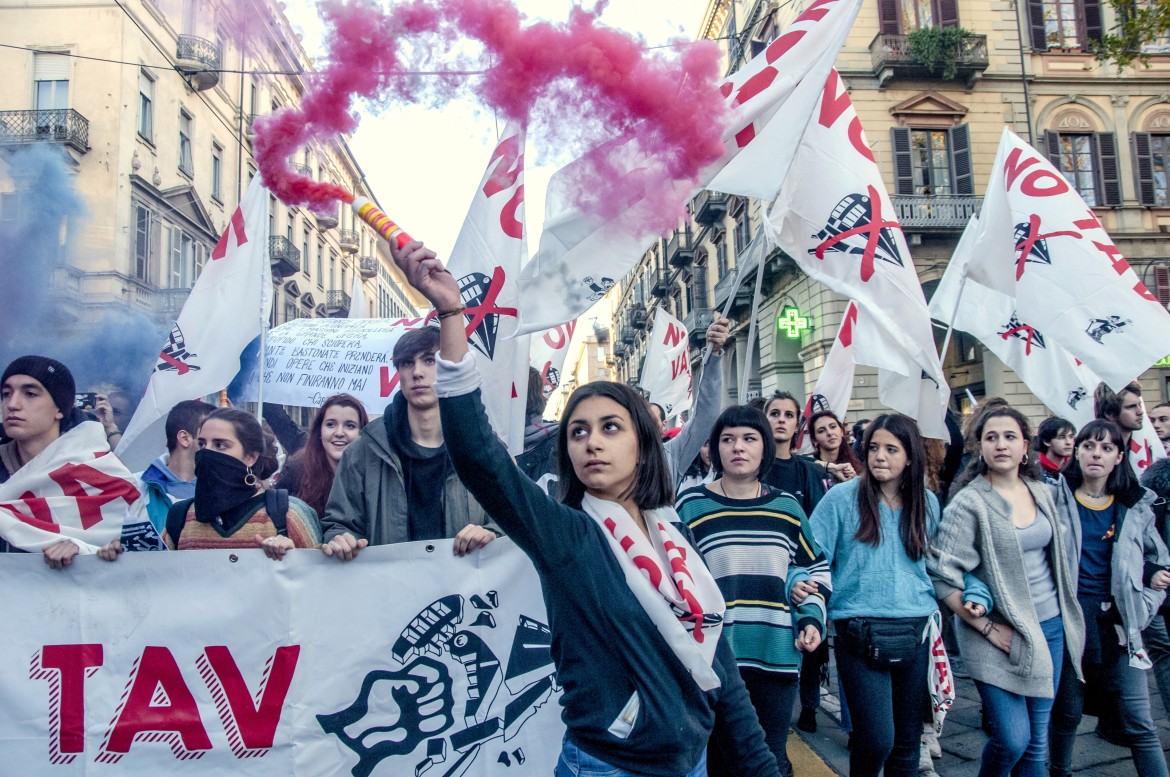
[1143,167]
[903,166]
[948,13]
[1110,177]
[1052,144]
[50,67]
[1162,285]
[1091,16]
[888,17]
[1036,24]
[960,143]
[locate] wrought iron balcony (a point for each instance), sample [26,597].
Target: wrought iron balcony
[892,58]
[710,207]
[638,316]
[53,126]
[285,257]
[337,303]
[368,267]
[696,321]
[198,59]
[628,335]
[679,249]
[349,240]
[326,219]
[659,283]
[249,122]
[920,213]
[746,290]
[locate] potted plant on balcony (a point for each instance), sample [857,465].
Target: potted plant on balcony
[934,47]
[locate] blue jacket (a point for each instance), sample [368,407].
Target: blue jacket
[163,488]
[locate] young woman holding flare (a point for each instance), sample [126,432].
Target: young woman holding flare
[635,616]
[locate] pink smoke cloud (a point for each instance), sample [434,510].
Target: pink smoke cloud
[585,83]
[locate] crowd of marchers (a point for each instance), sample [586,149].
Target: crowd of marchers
[696,579]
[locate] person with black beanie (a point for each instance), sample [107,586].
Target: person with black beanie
[37,396]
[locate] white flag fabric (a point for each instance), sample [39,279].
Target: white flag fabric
[1046,368]
[1055,376]
[357,297]
[835,383]
[226,310]
[73,489]
[1144,446]
[835,218]
[549,350]
[1041,245]
[666,373]
[486,260]
[223,663]
[784,80]
[582,255]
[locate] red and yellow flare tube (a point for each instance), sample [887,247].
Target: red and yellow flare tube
[372,215]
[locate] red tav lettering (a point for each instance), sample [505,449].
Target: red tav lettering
[157,706]
[250,726]
[66,668]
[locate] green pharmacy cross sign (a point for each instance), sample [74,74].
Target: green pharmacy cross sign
[792,323]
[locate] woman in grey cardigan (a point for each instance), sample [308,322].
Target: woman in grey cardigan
[1121,583]
[1003,528]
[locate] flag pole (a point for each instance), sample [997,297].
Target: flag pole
[265,277]
[747,362]
[942,354]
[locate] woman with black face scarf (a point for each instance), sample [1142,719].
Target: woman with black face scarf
[231,508]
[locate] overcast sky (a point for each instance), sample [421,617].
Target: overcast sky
[424,164]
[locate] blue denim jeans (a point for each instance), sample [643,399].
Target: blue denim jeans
[575,762]
[1157,643]
[1125,687]
[894,704]
[1019,724]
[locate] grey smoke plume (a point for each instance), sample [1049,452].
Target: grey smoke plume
[118,348]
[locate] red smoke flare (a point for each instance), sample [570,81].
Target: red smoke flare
[586,81]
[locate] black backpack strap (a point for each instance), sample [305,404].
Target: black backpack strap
[176,518]
[276,505]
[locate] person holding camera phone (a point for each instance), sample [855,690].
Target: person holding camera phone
[874,531]
[98,405]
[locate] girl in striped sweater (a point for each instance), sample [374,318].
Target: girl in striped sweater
[759,547]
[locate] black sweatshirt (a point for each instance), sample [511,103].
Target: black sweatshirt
[604,644]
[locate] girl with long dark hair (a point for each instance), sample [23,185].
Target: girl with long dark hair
[875,533]
[1003,528]
[1121,582]
[833,451]
[758,545]
[636,617]
[308,474]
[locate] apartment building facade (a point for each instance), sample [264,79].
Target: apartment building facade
[153,103]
